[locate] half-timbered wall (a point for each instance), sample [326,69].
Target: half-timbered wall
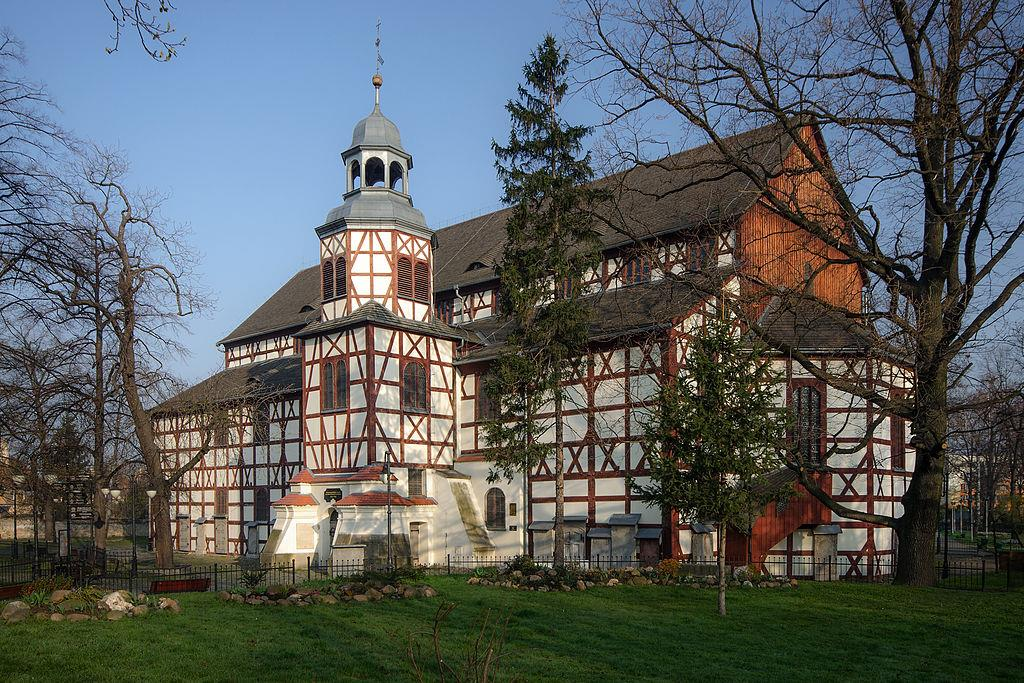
[242,467]
[256,350]
[376,357]
[372,262]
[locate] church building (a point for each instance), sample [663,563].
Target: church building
[359,382]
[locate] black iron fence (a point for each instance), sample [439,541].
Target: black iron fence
[117,573]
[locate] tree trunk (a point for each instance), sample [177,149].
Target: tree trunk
[99,417]
[721,569]
[160,510]
[559,549]
[49,520]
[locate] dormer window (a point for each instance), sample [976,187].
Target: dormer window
[475,265]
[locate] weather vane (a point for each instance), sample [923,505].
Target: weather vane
[380,60]
[378,80]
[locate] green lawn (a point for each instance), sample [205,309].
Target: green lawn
[817,632]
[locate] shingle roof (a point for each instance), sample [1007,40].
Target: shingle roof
[268,377]
[614,312]
[283,310]
[809,325]
[682,191]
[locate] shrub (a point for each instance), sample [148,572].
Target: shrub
[522,563]
[252,578]
[48,584]
[485,572]
[669,567]
[37,599]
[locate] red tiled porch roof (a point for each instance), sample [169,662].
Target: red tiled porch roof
[380,498]
[296,499]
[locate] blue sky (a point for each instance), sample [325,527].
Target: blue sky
[242,131]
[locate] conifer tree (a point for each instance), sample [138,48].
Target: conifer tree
[714,434]
[551,246]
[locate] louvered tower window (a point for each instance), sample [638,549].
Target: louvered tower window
[340,279]
[328,277]
[422,279]
[414,387]
[403,271]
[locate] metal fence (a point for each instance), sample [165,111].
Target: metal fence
[116,574]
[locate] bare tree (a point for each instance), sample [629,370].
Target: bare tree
[150,24]
[150,297]
[920,103]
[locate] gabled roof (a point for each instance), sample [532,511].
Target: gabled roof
[810,325]
[264,378]
[284,309]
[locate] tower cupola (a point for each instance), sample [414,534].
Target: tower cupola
[376,245]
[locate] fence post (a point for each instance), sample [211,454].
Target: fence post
[983,572]
[293,571]
[215,585]
[449,564]
[307,566]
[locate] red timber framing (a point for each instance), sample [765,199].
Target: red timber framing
[274,345]
[373,256]
[344,440]
[241,468]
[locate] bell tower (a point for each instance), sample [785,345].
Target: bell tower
[376,246]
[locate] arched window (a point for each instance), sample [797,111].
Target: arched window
[374,172]
[422,278]
[356,180]
[397,177]
[327,392]
[807,423]
[414,387]
[262,512]
[328,277]
[403,271]
[495,518]
[341,384]
[340,281]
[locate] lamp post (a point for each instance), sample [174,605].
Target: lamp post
[385,477]
[947,516]
[150,493]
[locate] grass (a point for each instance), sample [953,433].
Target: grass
[650,633]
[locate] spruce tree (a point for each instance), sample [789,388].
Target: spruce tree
[551,246]
[714,434]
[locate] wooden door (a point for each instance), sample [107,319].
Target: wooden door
[650,551]
[415,531]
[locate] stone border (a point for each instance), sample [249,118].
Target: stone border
[298,596]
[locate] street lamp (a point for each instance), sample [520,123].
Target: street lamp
[18,480]
[385,477]
[151,493]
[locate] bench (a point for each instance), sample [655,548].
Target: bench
[12,591]
[179,586]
